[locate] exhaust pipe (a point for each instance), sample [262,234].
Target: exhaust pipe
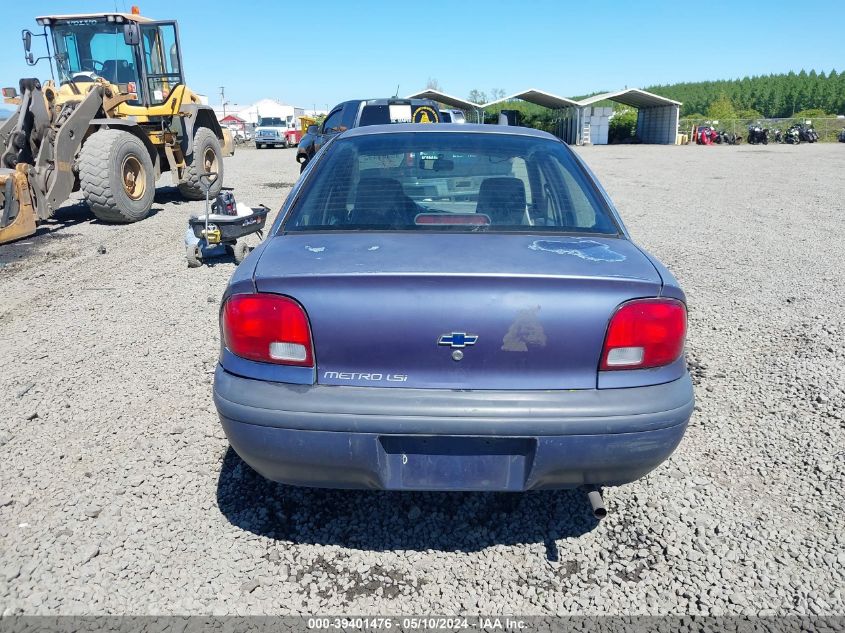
[597,503]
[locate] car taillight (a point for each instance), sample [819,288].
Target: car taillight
[645,333]
[267,328]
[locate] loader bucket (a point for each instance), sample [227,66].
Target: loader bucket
[17,215]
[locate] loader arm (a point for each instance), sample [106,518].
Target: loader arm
[31,123]
[54,175]
[6,130]
[42,152]
[21,136]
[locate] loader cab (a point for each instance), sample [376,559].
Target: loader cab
[137,55]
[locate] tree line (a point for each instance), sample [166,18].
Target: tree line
[785,95]
[770,96]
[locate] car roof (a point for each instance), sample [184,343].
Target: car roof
[129,17]
[387,101]
[474,128]
[395,100]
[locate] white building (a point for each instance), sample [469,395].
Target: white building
[261,108]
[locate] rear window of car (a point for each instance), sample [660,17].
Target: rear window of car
[416,181]
[382,114]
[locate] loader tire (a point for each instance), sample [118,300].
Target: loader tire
[116,176]
[207,156]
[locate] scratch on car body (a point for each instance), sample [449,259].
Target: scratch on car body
[315,249]
[585,249]
[373,248]
[524,331]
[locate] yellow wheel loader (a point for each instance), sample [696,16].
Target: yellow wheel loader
[115,115]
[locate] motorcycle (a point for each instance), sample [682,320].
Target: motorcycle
[777,135]
[806,133]
[758,134]
[793,135]
[729,138]
[841,135]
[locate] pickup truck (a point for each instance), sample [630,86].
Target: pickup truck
[360,112]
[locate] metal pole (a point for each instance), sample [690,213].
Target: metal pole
[49,56]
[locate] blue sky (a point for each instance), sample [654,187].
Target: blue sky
[319,53]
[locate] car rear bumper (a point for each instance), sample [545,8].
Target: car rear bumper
[420,439]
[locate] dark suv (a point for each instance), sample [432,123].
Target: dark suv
[360,112]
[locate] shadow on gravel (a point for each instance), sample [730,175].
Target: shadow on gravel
[65,218]
[221,260]
[378,520]
[75,214]
[169,195]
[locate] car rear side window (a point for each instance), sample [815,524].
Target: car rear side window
[332,122]
[416,181]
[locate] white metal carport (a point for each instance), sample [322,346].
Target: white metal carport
[657,117]
[580,122]
[567,108]
[450,100]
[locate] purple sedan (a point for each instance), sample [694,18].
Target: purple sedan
[451,308]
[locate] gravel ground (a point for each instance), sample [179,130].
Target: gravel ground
[118,493]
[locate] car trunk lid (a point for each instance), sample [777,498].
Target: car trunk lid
[457,311]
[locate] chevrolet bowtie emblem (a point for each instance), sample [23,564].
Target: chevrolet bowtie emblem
[457,340]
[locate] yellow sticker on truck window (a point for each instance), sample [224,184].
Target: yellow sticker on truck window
[426,114]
